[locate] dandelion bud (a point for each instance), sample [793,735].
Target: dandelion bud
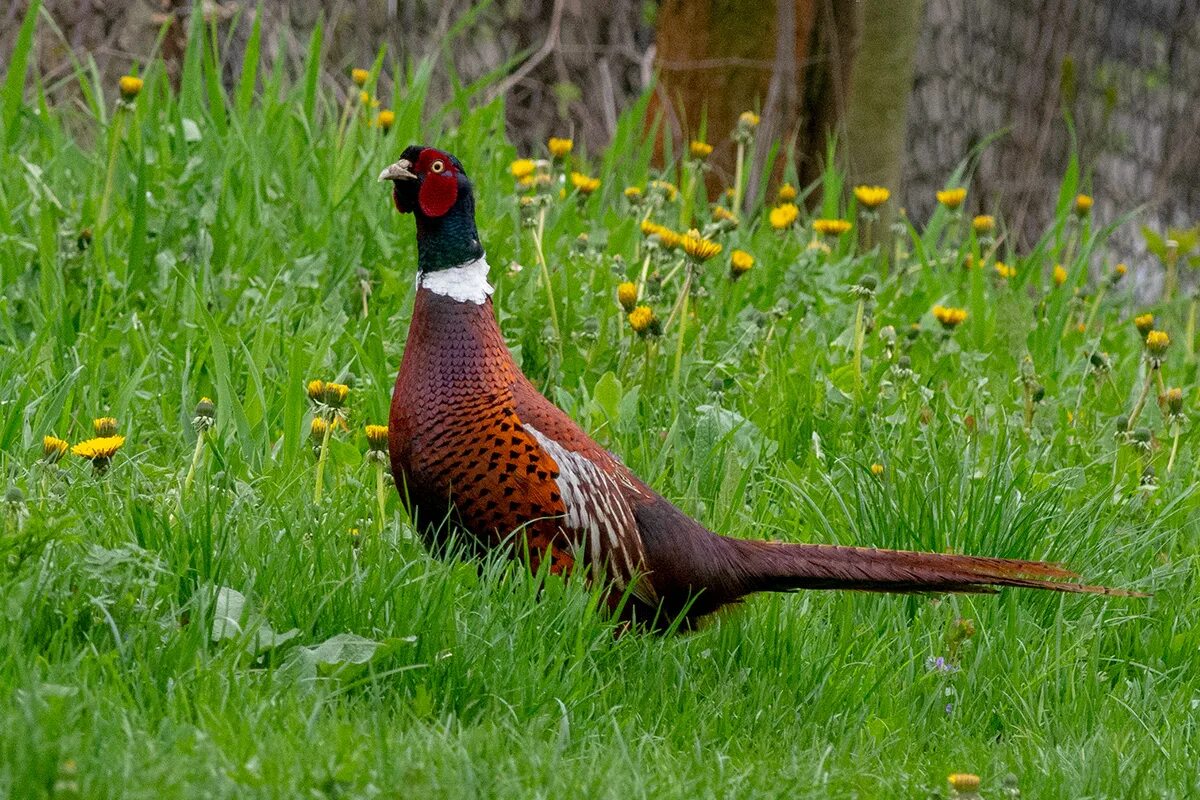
[1173,400]
[627,295]
[14,497]
[377,437]
[317,430]
[1119,272]
[888,334]
[359,76]
[877,469]
[748,119]
[84,240]
[316,390]
[865,287]
[964,783]
[386,119]
[53,449]
[1100,362]
[335,394]
[1037,392]
[205,415]
[787,193]
[1123,423]
[700,150]
[105,426]
[1060,275]
[1083,204]
[1142,438]
[1144,323]
[130,86]
[1157,343]
[633,194]
[904,362]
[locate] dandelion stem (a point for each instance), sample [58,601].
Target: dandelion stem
[683,307]
[320,487]
[197,454]
[538,233]
[1141,401]
[380,496]
[1174,447]
[737,177]
[1091,317]
[859,335]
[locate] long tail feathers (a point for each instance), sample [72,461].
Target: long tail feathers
[775,566]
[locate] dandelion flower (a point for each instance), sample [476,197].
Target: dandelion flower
[365,99]
[585,184]
[964,782]
[666,237]
[783,215]
[315,390]
[1083,204]
[723,214]
[377,437]
[1005,271]
[522,168]
[1173,400]
[335,394]
[99,451]
[666,188]
[831,227]
[871,197]
[560,148]
[984,223]
[877,469]
[950,318]
[748,119]
[699,248]
[1060,275]
[787,193]
[1157,343]
[105,426]
[130,86]
[1144,323]
[700,150]
[359,76]
[952,198]
[633,194]
[643,321]
[627,295]
[1119,271]
[386,119]
[316,430]
[740,262]
[53,449]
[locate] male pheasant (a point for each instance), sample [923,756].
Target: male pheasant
[475,447]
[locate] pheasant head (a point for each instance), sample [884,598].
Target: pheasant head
[432,185]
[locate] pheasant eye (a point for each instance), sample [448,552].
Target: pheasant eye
[437,166]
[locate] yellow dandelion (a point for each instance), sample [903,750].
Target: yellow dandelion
[984,223]
[335,394]
[952,198]
[1060,275]
[950,318]
[317,428]
[1119,270]
[817,244]
[560,148]
[877,469]
[1157,343]
[643,321]
[1144,323]
[831,227]
[787,193]
[700,150]
[99,450]
[783,215]
[522,168]
[740,262]
[964,782]
[723,214]
[53,449]
[386,119]
[667,237]
[627,295]
[130,86]
[315,390]
[698,247]
[105,426]
[359,76]
[748,119]
[871,197]
[1083,204]
[584,183]
[1005,271]
[377,437]
[670,190]
[633,194]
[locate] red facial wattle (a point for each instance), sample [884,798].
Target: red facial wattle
[439,191]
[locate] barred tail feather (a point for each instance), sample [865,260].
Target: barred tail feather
[783,567]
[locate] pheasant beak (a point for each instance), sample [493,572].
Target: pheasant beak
[398,172]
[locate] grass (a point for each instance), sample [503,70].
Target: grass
[239,640]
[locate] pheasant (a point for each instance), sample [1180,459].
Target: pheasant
[475,447]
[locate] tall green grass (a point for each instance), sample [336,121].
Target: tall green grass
[230,263]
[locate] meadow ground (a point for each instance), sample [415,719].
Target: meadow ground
[191,622]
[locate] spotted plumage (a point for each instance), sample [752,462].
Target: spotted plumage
[476,448]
